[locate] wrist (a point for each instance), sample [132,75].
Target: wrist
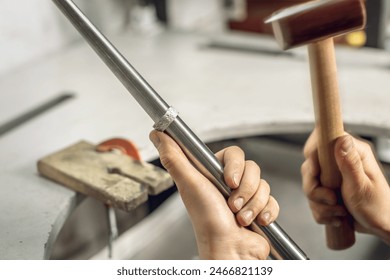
[231,249]
[380,226]
[385,229]
[385,232]
[210,249]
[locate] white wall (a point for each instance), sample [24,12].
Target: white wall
[30,29]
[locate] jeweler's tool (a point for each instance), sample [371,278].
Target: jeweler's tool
[166,119]
[315,23]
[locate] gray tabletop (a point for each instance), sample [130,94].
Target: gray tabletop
[225,86]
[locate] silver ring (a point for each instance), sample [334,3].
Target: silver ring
[163,123]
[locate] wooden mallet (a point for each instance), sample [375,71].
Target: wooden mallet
[315,24]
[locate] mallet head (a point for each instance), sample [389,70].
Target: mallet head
[316,20]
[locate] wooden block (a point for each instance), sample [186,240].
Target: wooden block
[115,179]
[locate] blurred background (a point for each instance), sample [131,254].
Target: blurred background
[31,29]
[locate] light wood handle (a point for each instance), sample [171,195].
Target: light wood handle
[329,126]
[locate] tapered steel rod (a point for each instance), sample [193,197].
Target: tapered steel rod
[282,246]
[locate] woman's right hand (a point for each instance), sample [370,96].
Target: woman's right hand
[364,189]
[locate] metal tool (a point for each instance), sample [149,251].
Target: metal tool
[166,119]
[112,228]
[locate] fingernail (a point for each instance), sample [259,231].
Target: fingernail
[248,215]
[346,145]
[236,179]
[267,216]
[238,203]
[155,139]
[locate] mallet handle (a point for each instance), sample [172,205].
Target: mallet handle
[329,126]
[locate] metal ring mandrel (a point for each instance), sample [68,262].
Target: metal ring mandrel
[165,121]
[282,246]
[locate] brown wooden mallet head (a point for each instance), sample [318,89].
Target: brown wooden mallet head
[315,23]
[316,20]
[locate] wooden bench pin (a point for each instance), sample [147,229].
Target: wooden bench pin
[116,179]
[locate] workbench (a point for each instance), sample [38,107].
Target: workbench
[225,86]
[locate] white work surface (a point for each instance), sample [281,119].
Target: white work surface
[219,94]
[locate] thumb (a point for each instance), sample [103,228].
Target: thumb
[193,187]
[171,155]
[350,164]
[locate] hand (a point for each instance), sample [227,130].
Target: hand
[364,188]
[219,226]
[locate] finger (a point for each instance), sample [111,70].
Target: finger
[369,160]
[323,195]
[349,162]
[310,171]
[311,144]
[332,221]
[327,214]
[195,190]
[255,205]
[250,182]
[233,160]
[309,176]
[171,156]
[269,213]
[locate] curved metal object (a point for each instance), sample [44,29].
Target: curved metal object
[283,247]
[166,120]
[123,145]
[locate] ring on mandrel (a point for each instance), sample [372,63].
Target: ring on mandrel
[163,123]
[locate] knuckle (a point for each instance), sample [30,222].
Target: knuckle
[304,168]
[264,184]
[263,202]
[309,189]
[311,195]
[168,160]
[317,217]
[247,190]
[234,163]
[306,191]
[244,221]
[275,204]
[354,160]
[367,146]
[236,149]
[306,151]
[253,165]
